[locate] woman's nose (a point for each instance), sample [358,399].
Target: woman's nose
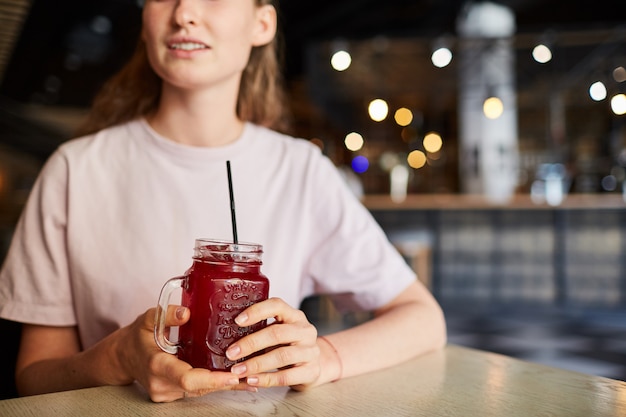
[186,13]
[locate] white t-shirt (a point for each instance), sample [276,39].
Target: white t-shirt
[113,215]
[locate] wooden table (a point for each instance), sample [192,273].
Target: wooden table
[456,381]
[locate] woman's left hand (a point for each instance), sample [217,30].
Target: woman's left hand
[292,356]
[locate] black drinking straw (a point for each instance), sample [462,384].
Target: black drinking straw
[232,203]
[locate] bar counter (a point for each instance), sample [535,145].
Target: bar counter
[518,251]
[471,201]
[455,381]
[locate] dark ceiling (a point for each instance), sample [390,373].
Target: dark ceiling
[68,47]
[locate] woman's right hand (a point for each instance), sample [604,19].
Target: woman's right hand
[50,359]
[163,375]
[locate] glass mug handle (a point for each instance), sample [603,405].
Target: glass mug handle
[161,312]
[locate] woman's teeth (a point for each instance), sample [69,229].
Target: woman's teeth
[188,46]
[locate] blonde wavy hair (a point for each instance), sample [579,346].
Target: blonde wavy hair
[136,89]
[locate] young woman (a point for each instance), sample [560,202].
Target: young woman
[114,214]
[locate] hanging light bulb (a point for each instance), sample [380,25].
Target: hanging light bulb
[340,59]
[542,52]
[441,55]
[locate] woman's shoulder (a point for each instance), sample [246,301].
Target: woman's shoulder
[297,155]
[276,141]
[111,139]
[119,131]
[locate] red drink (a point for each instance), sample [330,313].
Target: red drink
[224,280]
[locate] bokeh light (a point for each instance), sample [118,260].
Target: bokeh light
[542,54]
[597,91]
[388,160]
[416,159]
[432,142]
[609,183]
[341,60]
[441,57]
[353,141]
[403,116]
[618,104]
[493,107]
[619,74]
[378,110]
[360,164]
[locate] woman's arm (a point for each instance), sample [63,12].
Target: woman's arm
[410,325]
[50,360]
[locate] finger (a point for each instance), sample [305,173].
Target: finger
[292,377]
[270,308]
[170,395]
[271,336]
[198,381]
[241,386]
[176,376]
[176,315]
[281,357]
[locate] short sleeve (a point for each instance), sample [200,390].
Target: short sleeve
[34,280]
[352,258]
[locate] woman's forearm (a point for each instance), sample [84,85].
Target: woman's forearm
[411,325]
[62,367]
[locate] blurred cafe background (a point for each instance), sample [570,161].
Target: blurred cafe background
[487,138]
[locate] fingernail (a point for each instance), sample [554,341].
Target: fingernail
[241,319]
[238,369]
[233,351]
[252,380]
[180,312]
[233,381]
